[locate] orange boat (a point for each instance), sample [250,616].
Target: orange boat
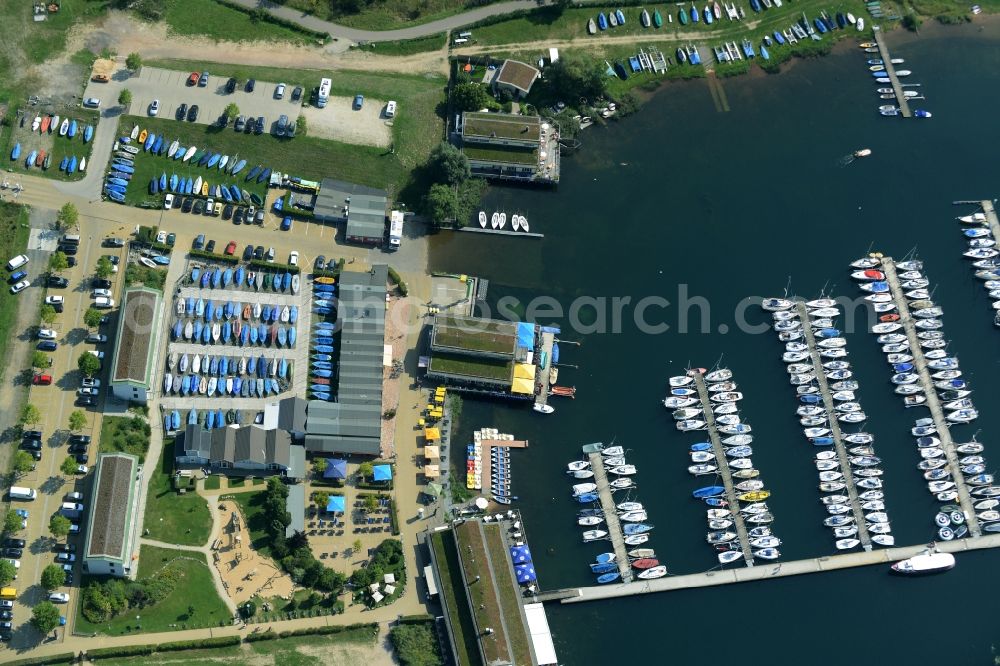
[45,124]
[645,563]
[889,317]
[40,158]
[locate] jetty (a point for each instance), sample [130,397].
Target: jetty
[763,572]
[610,514]
[543,374]
[834,425]
[724,472]
[991,217]
[933,403]
[890,70]
[502,232]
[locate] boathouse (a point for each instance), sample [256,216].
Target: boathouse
[511,147]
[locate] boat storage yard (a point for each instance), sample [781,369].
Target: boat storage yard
[908,327]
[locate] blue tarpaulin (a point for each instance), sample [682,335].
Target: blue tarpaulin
[383,472]
[335,503]
[520,554]
[335,469]
[551,329]
[555,352]
[525,573]
[526,335]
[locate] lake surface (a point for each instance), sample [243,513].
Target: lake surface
[683,201]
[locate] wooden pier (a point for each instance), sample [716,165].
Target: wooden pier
[502,232]
[544,375]
[930,392]
[991,217]
[834,425]
[723,464]
[763,572]
[890,70]
[610,515]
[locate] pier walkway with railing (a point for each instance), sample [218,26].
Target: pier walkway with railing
[890,71]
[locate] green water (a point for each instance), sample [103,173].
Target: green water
[736,205]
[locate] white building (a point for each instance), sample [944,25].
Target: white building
[111,545]
[133,363]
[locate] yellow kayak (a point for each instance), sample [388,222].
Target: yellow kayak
[142,136]
[755,496]
[204,189]
[325,280]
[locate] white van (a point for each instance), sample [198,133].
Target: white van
[390,109]
[17,262]
[71,239]
[21,493]
[104,303]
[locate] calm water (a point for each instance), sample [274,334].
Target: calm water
[736,205]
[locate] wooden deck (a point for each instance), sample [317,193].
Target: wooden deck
[890,70]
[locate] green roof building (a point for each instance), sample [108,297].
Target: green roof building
[133,363]
[111,545]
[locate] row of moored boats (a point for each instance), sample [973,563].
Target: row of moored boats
[750,509]
[631,517]
[862,473]
[321,362]
[985,256]
[500,475]
[879,71]
[498,220]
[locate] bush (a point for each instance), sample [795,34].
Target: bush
[400,282]
[415,644]
[220,641]
[211,256]
[274,267]
[64,658]
[123,651]
[268,635]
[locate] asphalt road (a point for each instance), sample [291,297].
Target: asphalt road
[355,35]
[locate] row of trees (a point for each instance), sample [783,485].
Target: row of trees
[30,415]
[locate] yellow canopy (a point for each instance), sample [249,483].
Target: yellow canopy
[432,434]
[432,452]
[524,371]
[523,386]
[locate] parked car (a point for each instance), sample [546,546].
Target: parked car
[47,345]
[32,434]
[59,597]
[106,293]
[101,283]
[17,276]
[259,217]
[211,246]
[193,79]
[182,111]
[115,259]
[68,250]
[77,448]
[82,469]
[171,239]
[248,253]
[13,542]
[227,212]
[282,125]
[31,444]
[85,439]
[359,101]
[168,201]
[82,458]
[293,258]
[258,252]
[259,128]
[279,91]
[41,380]
[251,83]
[96,353]
[240,123]
[286,223]
[112,241]
[199,207]
[85,401]
[270,253]
[104,303]
[297,94]
[231,248]
[92,103]
[199,242]
[66,547]
[238,217]
[86,391]
[203,81]
[55,300]
[186,206]
[192,113]
[20,286]
[331,264]
[231,85]
[57,281]
[47,334]
[319,263]
[390,109]
[154,107]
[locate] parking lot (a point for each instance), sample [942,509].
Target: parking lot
[170,87]
[340,121]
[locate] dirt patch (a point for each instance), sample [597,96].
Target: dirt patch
[245,573]
[348,654]
[341,122]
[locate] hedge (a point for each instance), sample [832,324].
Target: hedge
[416,619]
[394,276]
[270,265]
[393,518]
[211,256]
[220,641]
[123,651]
[335,629]
[64,658]
[268,635]
[379,487]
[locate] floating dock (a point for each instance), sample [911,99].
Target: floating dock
[544,375]
[991,217]
[610,515]
[883,556]
[501,232]
[930,392]
[834,425]
[723,464]
[890,70]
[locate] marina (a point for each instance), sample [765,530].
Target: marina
[488,457]
[890,71]
[981,229]
[941,428]
[731,494]
[614,529]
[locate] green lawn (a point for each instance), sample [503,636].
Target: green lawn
[383,14]
[470,366]
[170,517]
[485,604]
[252,507]
[406,47]
[195,589]
[125,434]
[453,593]
[213,482]
[416,129]
[509,601]
[206,18]
[291,651]
[58,146]
[13,241]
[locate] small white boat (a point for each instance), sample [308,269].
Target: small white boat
[524,224]
[543,409]
[515,222]
[482,219]
[495,220]
[503,220]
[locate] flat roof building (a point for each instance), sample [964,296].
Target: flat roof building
[517,77]
[136,341]
[240,451]
[110,545]
[364,209]
[507,146]
[488,355]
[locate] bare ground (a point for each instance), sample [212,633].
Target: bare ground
[340,122]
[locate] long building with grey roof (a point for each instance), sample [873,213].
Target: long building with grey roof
[240,451]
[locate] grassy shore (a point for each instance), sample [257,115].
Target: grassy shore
[206,18]
[383,14]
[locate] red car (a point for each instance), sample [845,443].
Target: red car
[43,380]
[231,248]
[193,79]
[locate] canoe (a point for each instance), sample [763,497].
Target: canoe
[254,172]
[40,159]
[64,127]
[154,185]
[47,162]
[223,162]
[71,167]
[197,185]
[204,189]
[158,146]
[213,160]
[235,192]
[203,160]
[173,148]
[16,152]
[179,153]
[44,124]
[173,182]
[135,132]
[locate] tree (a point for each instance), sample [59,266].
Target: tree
[59,525]
[92,317]
[77,420]
[370,504]
[45,617]
[572,77]
[58,262]
[12,522]
[39,359]
[88,364]
[47,313]
[125,97]
[53,576]
[232,110]
[356,546]
[449,164]
[319,466]
[68,216]
[441,203]
[23,462]
[104,268]
[7,572]
[470,97]
[133,61]
[68,466]
[191,610]
[248,610]
[321,497]
[365,470]
[30,415]
[330,580]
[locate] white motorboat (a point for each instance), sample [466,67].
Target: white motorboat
[578,465]
[847,544]
[584,488]
[589,520]
[594,535]
[495,220]
[482,219]
[925,563]
[772,304]
[727,556]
